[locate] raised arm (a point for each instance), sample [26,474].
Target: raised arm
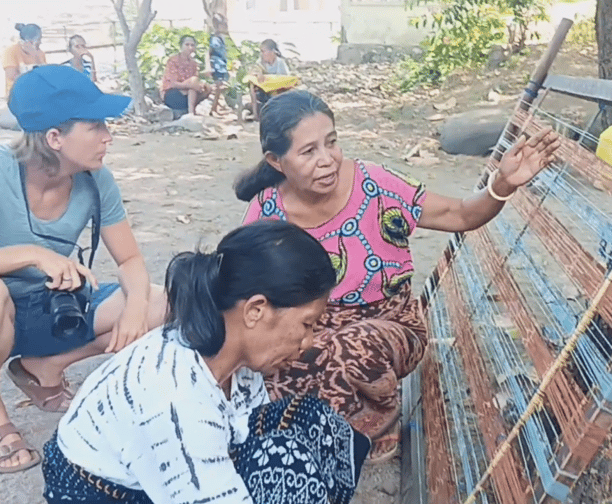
[517,167]
[10,64]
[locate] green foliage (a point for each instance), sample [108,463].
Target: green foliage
[337,38]
[462,34]
[159,43]
[582,33]
[240,59]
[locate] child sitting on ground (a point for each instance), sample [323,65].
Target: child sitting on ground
[262,86]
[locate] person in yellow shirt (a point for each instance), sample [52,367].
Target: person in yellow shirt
[24,55]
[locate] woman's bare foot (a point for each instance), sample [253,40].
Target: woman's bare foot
[385,447]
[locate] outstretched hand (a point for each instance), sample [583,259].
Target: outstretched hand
[131,325]
[528,157]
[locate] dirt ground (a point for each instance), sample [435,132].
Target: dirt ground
[177,190]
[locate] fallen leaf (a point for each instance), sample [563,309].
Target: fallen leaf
[413,152]
[210,134]
[424,153]
[184,219]
[436,117]
[425,161]
[598,184]
[368,134]
[447,105]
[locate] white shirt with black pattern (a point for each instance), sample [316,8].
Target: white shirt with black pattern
[154,418]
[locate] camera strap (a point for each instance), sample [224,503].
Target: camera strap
[95,218]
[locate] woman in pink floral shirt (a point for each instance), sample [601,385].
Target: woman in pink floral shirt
[181,88]
[372,333]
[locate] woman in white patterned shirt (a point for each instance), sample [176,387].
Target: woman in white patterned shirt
[157,422]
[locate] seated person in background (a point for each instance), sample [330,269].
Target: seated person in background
[181,88]
[263,87]
[53,312]
[183,415]
[24,55]
[82,60]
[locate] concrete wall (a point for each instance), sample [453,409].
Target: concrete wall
[309,27]
[371,22]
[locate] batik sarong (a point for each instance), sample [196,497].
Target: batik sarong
[300,451]
[358,357]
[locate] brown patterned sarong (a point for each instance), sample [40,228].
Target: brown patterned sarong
[359,355]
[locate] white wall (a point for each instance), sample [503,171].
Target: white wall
[381,23]
[311,31]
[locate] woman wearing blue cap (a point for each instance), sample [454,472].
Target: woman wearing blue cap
[53,312]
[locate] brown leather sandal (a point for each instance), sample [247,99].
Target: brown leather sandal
[53,399]
[7,451]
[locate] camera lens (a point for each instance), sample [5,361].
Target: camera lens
[68,318]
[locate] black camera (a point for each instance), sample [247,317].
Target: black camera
[69,312]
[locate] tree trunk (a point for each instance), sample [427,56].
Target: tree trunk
[212,7]
[137,90]
[603,29]
[131,37]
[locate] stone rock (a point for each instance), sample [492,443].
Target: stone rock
[349,55]
[160,113]
[187,122]
[354,54]
[473,133]
[498,55]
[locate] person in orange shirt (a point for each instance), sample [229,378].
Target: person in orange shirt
[24,55]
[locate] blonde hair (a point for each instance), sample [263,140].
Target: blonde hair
[33,148]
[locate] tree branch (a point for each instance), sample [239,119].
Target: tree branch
[145,16]
[118,5]
[207,9]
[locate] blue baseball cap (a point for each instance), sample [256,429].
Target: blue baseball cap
[50,95]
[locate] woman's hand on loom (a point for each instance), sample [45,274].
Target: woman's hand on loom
[527,158]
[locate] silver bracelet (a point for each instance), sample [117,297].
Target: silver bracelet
[492,193]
